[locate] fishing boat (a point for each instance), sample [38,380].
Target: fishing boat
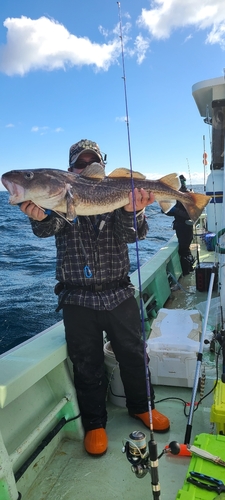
[42,456]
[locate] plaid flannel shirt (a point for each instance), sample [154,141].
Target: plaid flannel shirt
[99,243]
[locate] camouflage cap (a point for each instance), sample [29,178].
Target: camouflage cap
[83,146]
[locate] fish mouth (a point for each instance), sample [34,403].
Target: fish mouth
[16,192]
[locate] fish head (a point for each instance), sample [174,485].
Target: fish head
[16,191]
[45,187]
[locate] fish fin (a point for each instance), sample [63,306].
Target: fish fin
[196,204]
[125,172]
[171,180]
[70,206]
[94,171]
[166,205]
[60,214]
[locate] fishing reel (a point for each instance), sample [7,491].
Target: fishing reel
[137,453]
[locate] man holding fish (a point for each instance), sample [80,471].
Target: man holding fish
[96,295]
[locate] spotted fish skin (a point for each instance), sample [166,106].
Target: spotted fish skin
[95,193]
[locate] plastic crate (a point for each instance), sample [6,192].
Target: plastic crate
[203,274]
[218,408]
[173,346]
[210,242]
[214,445]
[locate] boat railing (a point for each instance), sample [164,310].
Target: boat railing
[155,280]
[36,393]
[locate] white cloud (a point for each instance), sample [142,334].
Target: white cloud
[189,37]
[44,130]
[217,35]
[121,119]
[141,45]
[126,27]
[167,15]
[196,177]
[39,129]
[10,125]
[103,31]
[45,44]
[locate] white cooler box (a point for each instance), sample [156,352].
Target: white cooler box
[173,346]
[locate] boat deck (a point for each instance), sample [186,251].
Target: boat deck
[72,474]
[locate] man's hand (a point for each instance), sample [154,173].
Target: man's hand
[34,212]
[142,199]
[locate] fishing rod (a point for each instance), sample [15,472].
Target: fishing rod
[143,459]
[189,173]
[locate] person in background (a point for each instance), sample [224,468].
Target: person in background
[96,295]
[184,231]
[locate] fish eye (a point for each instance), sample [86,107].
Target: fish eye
[29,175]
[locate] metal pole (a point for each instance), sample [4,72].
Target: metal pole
[199,359]
[222,258]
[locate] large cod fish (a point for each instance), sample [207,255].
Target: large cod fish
[93,192]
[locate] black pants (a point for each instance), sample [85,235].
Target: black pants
[84,335]
[184,234]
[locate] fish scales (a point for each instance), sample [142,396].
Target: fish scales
[112,193]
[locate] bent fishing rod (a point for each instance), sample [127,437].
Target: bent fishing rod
[143,459]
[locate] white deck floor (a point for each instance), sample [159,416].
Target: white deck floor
[73,475]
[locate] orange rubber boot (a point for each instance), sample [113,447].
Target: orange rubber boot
[160,422]
[96,442]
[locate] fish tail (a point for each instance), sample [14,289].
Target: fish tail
[195,204]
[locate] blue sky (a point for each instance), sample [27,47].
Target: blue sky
[61,80]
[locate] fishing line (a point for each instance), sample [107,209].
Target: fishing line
[189,172]
[132,180]
[153,454]
[47,211]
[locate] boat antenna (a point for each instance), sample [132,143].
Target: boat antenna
[150,457]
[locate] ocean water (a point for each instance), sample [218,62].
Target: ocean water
[27,271]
